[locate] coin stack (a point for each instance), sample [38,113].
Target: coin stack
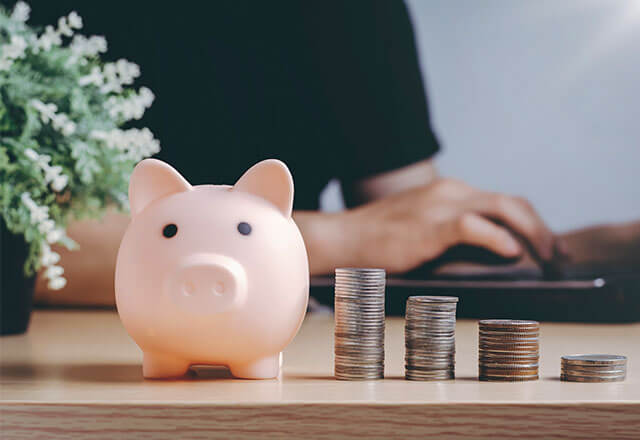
[593,368]
[430,341]
[359,323]
[508,350]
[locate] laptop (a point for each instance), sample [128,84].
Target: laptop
[503,290]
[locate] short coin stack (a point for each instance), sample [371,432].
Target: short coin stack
[359,323]
[508,350]
[430,341]
[593,368]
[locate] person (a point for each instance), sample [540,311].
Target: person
[331,88]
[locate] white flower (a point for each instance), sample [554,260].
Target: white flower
[82,46]
[53,272]
[52,173]
[94,77]
[43,161]
[48,39]
[47,111]
[111,82]
[27,200]
[64,28]
[21,12]
[37,214]
[31,154]
[114,76]
[59,182]
[59,121]
[12,51]
[68,128]
[135,144]
[75,21]
[54,236]
[47,256]
[46,226]
[127,71]
[16,48]
[62,123]
[132,107]
[57,283]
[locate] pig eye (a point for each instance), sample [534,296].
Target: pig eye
[170,230]
[244,228]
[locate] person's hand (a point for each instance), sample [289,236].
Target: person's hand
[404,230]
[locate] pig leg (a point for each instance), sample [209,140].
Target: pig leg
[156,366]
[265,368]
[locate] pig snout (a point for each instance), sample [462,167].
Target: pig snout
[207,284]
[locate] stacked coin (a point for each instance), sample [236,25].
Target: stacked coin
[359,323]
[593,368]
[508,350]
[430,342]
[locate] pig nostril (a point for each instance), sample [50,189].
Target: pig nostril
[218,288]
[188,288]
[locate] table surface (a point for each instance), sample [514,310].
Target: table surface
[76,359]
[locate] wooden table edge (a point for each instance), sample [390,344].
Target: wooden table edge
[164,420]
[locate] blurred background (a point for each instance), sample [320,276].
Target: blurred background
[537,98]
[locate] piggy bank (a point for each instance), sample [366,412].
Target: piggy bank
[213,275]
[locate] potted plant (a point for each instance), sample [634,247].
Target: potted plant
[64,153]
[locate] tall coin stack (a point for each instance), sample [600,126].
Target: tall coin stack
[508,350]
[359,323]
[593,368]
[430,341]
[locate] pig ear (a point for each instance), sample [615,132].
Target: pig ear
[271,180]
[151,180]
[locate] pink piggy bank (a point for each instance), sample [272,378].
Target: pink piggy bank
[214,275]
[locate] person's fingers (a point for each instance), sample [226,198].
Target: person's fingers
[475,230]
[519,216]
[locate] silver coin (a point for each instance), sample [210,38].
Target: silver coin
[594,373]
[508,378]
[358,351]
[429,366]
[358,270]
[437,339]
[508,323]
[426,325]
[569,378]
[430,345]
[594,359]
[435,310]
[507,361]
[587,375]
[414,354]
[415,376]
[359,372]
[432,356]
[508,366]
[428,369]
[417,372]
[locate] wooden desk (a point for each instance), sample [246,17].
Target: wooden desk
[77,374]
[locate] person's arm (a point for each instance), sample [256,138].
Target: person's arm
[414,216]
[613,247]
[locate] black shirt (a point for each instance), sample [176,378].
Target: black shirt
[332,88]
